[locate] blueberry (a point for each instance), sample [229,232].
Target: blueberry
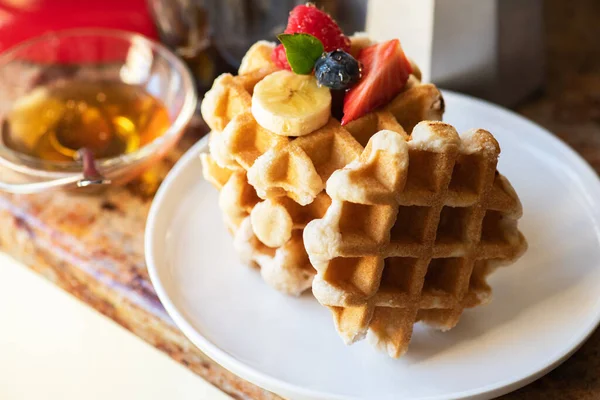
[337,70]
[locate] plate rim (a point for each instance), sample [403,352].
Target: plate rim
[278,386]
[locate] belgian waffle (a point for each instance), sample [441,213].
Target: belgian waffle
[275,220]
[213,173]
[416,225]
[237,199]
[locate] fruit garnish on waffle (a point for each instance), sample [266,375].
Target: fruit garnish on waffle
[396,216]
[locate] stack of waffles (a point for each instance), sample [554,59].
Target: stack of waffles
[392,218]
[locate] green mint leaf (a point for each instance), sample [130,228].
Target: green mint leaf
[302,51]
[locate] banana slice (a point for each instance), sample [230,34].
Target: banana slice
[272,223]
[289,104]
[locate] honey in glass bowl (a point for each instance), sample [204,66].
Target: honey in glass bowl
[108,118]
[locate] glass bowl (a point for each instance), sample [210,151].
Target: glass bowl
[97,55]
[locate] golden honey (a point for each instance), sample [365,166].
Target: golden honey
[109,118]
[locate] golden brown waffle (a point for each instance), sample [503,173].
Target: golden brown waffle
[297,168]
[229,96]
[232,95]
[245,140]
[284,265]
[415,226]
[213,173]
[285,268]
[275,220]
[237,199]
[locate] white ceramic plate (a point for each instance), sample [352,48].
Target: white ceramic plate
[543,308]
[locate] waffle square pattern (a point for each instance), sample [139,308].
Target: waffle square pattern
[415,226]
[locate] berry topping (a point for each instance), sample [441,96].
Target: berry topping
[337,70]
[385,70]
[309,19]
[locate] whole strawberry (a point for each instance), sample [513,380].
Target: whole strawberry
[309,19]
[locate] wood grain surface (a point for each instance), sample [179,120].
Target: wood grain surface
[92,246]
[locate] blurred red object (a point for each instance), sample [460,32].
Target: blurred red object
[24,19]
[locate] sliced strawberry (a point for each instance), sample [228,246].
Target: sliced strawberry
[309,19]
[384,73]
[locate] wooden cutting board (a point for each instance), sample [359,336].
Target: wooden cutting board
[92,246]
